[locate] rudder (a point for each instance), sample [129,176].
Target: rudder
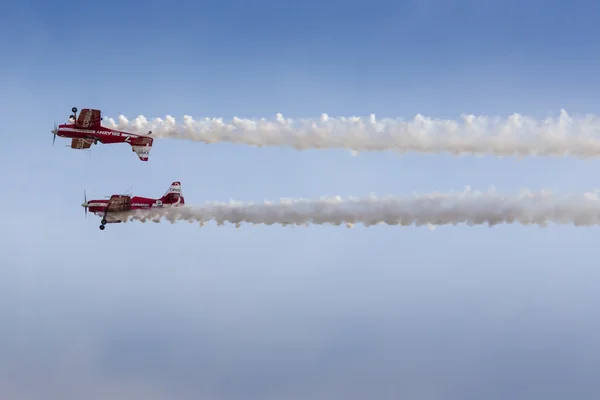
[141,146]
[174,194]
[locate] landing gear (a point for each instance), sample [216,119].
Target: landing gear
[104,221]
[74,110]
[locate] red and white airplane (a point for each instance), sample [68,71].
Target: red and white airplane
[122,205]
[86,130]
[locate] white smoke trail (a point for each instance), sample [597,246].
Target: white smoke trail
[517,135]
[468,207]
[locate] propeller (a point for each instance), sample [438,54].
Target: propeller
[85,203]
[55,131]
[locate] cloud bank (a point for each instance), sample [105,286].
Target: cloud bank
[517,135]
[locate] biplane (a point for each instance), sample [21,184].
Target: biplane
[86,129]
[118,206]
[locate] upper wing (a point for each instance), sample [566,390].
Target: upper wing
[78,143]
[89,119]
[118,203]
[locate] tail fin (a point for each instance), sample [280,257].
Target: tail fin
[173,195]
[141,146]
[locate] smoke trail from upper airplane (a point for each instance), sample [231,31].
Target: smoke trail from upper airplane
[467,207]
[517,135]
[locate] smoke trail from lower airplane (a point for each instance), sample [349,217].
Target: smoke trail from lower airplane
[517,135]
[467,207]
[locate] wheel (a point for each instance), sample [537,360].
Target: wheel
[74,110]
[103,222]
[72,116]
[102,227]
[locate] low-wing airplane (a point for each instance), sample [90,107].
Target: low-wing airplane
[122,205]
[86,130]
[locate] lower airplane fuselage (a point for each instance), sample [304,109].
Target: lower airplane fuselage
[137,203]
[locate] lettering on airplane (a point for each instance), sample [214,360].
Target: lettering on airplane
[94,131]
[112,133]
[139,205]
[128,136]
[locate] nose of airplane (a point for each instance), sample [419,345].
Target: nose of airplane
[54,131]
[85,203]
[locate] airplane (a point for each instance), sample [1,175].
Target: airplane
[86,130]
[122,205]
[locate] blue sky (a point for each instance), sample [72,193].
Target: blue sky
[163,311]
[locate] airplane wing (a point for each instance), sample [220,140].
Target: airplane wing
[80,144]
[118,203]
[89,119]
